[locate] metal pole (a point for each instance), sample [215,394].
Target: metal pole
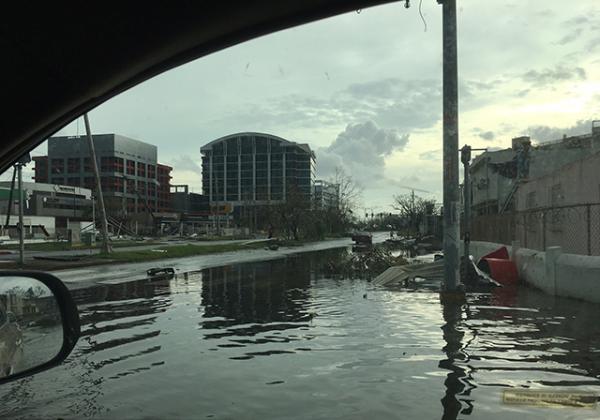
[10,199]
[93,216]
[465,157]
[21,228]
[450,153]
[105,245]
[589,229]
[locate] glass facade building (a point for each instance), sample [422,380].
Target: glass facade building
[255,169]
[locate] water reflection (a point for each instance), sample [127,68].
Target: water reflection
[292,338]
[238,302]
[455,381]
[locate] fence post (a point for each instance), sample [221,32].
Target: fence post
[552,254]
[589,230]
[524,229]
[543,229]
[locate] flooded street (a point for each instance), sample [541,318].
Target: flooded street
[288,338]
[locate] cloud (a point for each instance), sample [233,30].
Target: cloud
[360,150]
[570,37]
[543,133]
[487,135]
[540,78]
[433,155]
[185,163]
[406,105]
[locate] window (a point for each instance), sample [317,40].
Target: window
[141,169]
[73,165]
[57,166]
[75,181]
[130,167]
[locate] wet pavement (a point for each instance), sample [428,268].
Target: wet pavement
[119,273]
[288,338]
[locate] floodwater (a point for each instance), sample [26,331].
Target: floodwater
[290,339]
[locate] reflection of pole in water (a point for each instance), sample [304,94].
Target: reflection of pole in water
[457,379]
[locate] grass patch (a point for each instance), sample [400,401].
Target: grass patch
[178,251]
[65,246]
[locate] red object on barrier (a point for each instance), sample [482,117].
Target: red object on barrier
[498,265]
[500,253]
[503,271]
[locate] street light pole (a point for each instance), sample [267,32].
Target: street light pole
[450,148]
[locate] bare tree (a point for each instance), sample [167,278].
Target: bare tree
[349,193]
[293,214]
[413,209]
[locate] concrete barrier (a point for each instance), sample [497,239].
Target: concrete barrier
[531,265]
[568,275]
[578,276]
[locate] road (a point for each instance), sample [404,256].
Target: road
[121,273]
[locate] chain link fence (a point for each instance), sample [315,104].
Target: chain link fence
[574,228]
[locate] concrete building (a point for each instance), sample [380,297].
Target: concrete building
[133,182]
[188,203]
[255,169]
[496,175]
[325,194]
[562,208]
[47,208]
[60,201]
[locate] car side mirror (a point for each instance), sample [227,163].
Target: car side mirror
[39,323]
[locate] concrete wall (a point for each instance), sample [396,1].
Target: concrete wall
[577,182]
[556,273]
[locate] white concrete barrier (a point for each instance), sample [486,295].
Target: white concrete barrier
[578,276]
[568,275]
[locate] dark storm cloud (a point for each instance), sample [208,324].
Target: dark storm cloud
[487,135]
[361,150]
[545,77]
[404,104]
[543,133]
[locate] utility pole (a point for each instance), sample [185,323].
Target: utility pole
[465,158]
[10,200]
[24,160]
[450,139]
[105,245]
[21,227]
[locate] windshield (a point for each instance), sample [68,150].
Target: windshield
[304,226]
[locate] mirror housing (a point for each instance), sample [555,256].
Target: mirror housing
[51,305]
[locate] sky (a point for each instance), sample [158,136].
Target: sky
[364,89]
